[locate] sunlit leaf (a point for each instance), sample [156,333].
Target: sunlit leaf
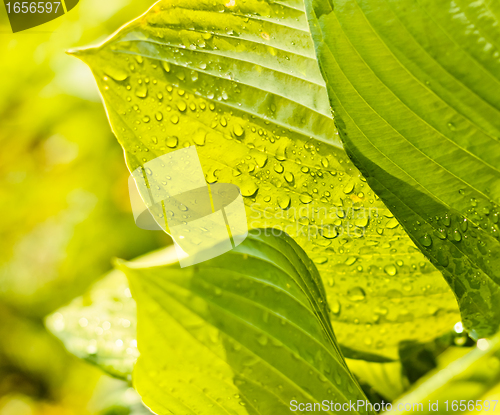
[247,332]
[415,91]
[240,81]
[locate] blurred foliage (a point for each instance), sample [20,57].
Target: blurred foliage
[65,209]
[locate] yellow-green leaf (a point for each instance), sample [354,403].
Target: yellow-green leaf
[247,332]
[415,86]
[239,80]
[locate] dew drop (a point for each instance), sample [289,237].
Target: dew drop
[278,168]
[141,91]
[171,141]
[249,188]
[392,223]
[348,188]
[117,74]
[426,240]
[284,202]
[329,232]
[390,270]
[305,198]
[238,130]
[351,260]
[199,138]
[335,307]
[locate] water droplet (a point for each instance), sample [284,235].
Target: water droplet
[199,138]
[392,223]
[446,220]
[238,130]
[381,310]
[305,198]
[141,91]
[442,258]
[390,270]
[457,236]
[249,188]
[159,116]
[356,294]
[464,225]
[335,307]
[362,222]
[426,240]
[278,168]
[329,232]
[351,260]
[171,141]
[118,74]
[211,176]
[348,188]
[441,234]
[263,340]
[174,119]
[284,202]
[289,177]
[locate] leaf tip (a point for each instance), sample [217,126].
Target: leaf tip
[81,53]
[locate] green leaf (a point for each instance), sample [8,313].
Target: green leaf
[415,91]
[244,333]
[241,82]
[100,326]
[462,375]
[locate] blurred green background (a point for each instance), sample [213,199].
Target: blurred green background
[64,209]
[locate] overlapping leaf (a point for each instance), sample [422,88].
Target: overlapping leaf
[466,378]
[100,326]
[247,332]
[415,86]
[240,81]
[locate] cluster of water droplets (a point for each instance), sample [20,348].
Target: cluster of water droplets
[101,326]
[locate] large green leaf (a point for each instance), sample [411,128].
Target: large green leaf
[241,82]
[247,332]
[415,88]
